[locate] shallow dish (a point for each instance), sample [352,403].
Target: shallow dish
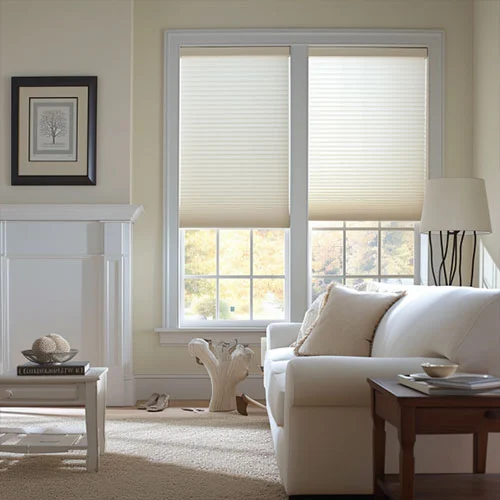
[439,371]
[50,358]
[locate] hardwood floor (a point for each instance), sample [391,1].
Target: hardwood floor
[331,497]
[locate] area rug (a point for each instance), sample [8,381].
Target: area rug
[178,455]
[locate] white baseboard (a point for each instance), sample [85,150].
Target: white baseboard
[191,386]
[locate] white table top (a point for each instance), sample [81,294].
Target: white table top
[94,373]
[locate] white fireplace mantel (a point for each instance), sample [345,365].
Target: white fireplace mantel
[67,269]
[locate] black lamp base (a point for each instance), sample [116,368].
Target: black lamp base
[451,244]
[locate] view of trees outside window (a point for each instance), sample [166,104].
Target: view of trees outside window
[352,252]
[233,274]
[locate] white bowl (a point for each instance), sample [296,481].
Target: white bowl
[439,371]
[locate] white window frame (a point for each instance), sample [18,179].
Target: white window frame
[298,40]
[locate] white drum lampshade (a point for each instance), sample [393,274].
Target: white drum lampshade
[453,207]
[455,204]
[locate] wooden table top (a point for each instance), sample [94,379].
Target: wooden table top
[411,397]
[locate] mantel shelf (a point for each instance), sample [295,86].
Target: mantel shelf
[69,212]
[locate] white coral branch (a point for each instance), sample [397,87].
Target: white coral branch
[227,365]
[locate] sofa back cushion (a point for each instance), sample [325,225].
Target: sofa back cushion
[458,323]
[346,323]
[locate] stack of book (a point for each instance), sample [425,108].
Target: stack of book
[68,368]
[457,385]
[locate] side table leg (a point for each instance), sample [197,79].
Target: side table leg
[378,455]
[378,440]
[101,412]
[480,449]
[406,456]
[91,409]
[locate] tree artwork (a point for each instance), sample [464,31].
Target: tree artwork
[53,124]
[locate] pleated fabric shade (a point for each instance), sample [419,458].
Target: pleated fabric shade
[367,133]
[234,137]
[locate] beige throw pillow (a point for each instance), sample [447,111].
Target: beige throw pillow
[347,323]
[310,317]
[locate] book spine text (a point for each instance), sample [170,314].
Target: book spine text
[52,370]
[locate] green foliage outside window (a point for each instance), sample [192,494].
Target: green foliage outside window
[231,263]
[238,274]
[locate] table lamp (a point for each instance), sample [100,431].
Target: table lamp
[454,207]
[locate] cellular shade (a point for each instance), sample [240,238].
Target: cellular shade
[234,129]
[367,133]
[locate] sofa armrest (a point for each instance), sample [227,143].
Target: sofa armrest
[281,334]
[341,380]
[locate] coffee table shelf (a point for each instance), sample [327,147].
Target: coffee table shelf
[21,441]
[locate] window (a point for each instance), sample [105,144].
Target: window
[367,158]
[233,167]
[233,275]
[271,136]
[352,252]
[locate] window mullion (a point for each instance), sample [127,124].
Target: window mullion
[299,234]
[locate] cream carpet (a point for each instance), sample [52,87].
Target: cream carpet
[172,455]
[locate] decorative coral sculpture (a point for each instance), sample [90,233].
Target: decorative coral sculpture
[44,345]
[62,345]
[227,365]
[50,348]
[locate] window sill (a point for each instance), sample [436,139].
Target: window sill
[182,336]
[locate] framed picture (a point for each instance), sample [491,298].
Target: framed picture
[54,130]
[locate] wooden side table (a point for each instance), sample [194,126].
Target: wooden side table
[87,390]
[414,413]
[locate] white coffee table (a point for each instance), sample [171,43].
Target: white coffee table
[87,390]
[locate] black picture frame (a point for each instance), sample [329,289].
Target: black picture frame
[53,130]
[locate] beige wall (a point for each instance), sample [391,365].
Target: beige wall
[152,17]
[487,111]
[102,37]
[72,37]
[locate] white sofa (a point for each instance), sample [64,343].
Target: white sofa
[319,406]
